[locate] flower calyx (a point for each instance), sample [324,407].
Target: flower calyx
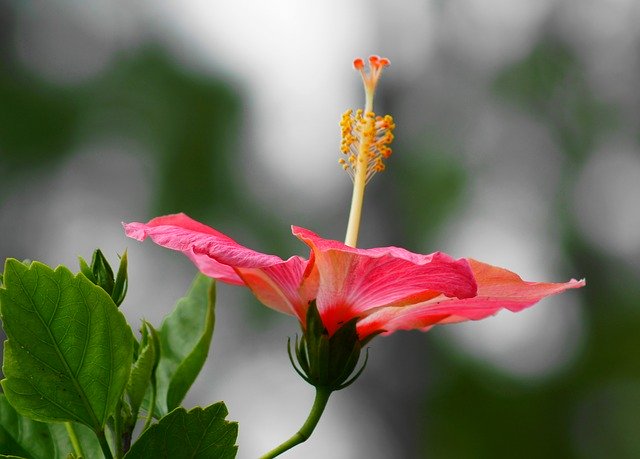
[325,361]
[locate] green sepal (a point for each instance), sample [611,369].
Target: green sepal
[301,354]
[69,349]
[302,372]
[315,345]
[369,337]
[197,433]
[345,347]
[324,361]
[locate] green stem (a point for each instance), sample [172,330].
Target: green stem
[319,404]
[118,430]
[104,444]
[77,447]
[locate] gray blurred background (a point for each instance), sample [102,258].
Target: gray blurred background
[517,144]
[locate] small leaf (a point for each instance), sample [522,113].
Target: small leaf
[142,369]
[185,337]
[122,281]
[69,350]
[86,269]
[38,440]
[198,434]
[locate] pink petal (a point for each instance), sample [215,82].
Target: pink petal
[353,281]
[277,283]
[498,289]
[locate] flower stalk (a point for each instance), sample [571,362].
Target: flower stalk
[73,437]
[302,435]
[328,363]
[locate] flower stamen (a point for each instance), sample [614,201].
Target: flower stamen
[365,141]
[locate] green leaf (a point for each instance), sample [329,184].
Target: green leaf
[198,433]
[185,337]
[69,350]
[38,440]
[22,436]
[122,281]
[143,368]
[86,269]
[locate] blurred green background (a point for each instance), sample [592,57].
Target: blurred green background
[517,143]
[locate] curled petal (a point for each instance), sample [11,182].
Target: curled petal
[498,289]
[284,285]
[353,281]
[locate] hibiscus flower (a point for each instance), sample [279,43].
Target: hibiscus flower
[343,296]
[386,289]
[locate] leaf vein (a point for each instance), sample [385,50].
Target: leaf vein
[76,384]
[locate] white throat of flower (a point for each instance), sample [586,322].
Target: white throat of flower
[365,142]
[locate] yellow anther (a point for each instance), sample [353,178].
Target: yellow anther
[365,139]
